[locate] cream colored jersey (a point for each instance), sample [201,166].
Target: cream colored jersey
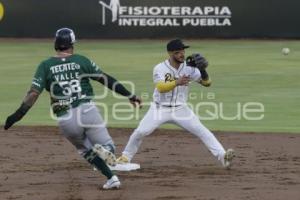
[165,72]
[181,115]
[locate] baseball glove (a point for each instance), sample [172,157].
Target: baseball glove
[197,60]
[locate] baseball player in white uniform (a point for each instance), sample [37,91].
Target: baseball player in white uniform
[171,78]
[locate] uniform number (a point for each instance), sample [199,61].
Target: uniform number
[70,87]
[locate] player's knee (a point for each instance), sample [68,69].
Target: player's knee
[142,132]
[110,147]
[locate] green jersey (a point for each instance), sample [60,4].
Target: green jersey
[67,80]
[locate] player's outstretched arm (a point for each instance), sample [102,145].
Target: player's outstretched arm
[27,103]
[114,85]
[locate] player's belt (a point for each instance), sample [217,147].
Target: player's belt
[64,110]
[166,106]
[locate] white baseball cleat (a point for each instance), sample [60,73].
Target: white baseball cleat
[227,159]
[108,157]
[123,160]
[112,183]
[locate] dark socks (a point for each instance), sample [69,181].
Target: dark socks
[95,160]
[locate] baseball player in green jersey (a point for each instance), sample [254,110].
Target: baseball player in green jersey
[66,76]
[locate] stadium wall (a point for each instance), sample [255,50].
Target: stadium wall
[151,19]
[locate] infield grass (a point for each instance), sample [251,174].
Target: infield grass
[242,71]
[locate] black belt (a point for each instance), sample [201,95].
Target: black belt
[167,106]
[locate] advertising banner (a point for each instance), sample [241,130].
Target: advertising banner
[151,19]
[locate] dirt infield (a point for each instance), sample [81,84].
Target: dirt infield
[38,163]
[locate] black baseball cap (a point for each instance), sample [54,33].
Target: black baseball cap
[175,45]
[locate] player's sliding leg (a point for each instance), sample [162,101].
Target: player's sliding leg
[76,134]
[189,121]
[94,159]
[153,119]
[91,154]
[97,134]
[103,148]
[96,156]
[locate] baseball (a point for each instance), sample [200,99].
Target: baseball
[285,51]
[1,11]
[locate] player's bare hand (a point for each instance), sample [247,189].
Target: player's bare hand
[136,101]
[183,80]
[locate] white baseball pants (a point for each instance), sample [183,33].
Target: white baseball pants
[184,117]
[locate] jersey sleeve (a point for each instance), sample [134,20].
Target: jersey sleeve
[195,74]
[39,79]
[92,67]
[158,75]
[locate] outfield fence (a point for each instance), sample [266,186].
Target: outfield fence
[151,19]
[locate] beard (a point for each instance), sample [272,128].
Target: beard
[180,60]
